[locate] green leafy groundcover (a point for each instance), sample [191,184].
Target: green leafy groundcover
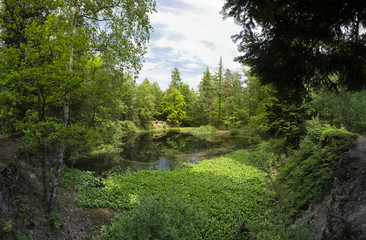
[219,190]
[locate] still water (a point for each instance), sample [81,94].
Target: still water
[163,150]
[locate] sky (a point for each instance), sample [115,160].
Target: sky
[190,35]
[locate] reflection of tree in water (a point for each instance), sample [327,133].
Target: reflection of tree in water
[142,148]
[163,150]
[172,146]
[177,142]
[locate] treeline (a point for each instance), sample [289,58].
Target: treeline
[218,101]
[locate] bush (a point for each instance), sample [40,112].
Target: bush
[339,140]
[156,219]
[126,127]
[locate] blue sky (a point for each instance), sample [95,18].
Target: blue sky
[190,35]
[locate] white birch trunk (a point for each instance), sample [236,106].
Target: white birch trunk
[66,112]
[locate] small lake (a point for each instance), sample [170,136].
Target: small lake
[163,150]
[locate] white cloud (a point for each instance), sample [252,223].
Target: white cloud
[191,36]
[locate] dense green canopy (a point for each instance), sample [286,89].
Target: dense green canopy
[298,43]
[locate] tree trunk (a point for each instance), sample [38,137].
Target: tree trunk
[66,112]
[227,115]
[60,158]
[44,173]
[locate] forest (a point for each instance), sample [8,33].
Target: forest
[68,71]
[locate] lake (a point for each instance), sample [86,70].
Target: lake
[163,150]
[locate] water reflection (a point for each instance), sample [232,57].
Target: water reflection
[163,150]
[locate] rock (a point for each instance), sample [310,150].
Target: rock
[346,211]
[101,216]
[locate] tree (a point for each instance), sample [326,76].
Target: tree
[176,80]
[286,119]
[174,105]
[145,102]
[206,96]
[302,43]
[232,92]
[218,80]
[195,111]
[38,78]
[344,108]
[158,99]
[257,97]
[183,88]
[51,44]
[120,43]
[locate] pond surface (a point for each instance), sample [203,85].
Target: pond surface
[163,150]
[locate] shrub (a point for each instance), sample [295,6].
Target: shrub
[155,219]
[339,140]
[126,127]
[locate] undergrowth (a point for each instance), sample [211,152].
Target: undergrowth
[300,177]
[268,186]
[219,190]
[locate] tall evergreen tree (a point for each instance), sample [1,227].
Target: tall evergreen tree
[206,96]
[218,80]
[302,43]
[175,80]
[232,97]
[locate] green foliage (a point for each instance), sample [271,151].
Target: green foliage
[282,232]
[81,141]
[342,108]
[234,131]
[146,103]
[60,58]
[207,129]
[55,221]
[174,106]
[8,226]
[300,177]
[206,97]
[257,98]
[308,171]
[339,140]
[156,219]
[287,50]
[218,83]
[287,120]
[176,80]
[219,189]
[268,155]
[126,127]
